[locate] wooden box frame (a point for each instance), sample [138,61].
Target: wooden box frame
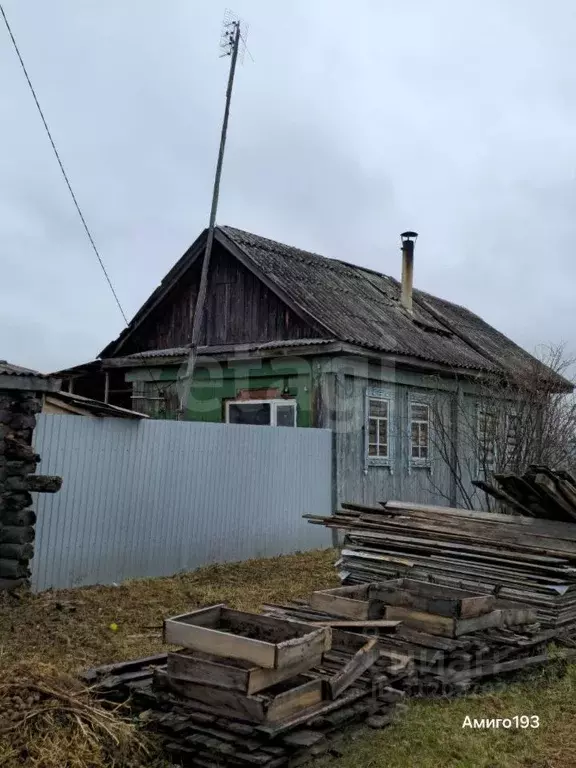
[231,674]
[263,640]
[283,701]
[349,602]
[431,598]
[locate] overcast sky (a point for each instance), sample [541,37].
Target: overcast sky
[355,122]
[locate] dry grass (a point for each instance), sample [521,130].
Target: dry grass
[71,630]
[45,638]
[48,720]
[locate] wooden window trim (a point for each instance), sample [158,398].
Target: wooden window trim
[417,461]
[482,465]
[388,396]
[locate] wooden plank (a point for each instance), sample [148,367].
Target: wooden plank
[382,624]
[300,650]
[350,602]
[503,497]
[432,598]
[263,640]
[220,643]
[233,674]
[217,700]
[273,730]
[294,701]
[123,667]
[358,664]
[495,669]
[297,695]
[542,526]
[442,625]
[514,614]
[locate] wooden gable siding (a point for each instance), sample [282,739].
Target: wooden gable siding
[239,309]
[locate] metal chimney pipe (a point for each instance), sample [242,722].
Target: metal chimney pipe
[408,240]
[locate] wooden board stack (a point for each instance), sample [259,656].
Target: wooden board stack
[454,637]
[539,492]
[254,690]
[523,559]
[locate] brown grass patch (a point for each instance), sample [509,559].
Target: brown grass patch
[47,638]
[70,629]
[49,720]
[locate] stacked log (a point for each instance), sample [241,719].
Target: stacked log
[527,560]
[18,461]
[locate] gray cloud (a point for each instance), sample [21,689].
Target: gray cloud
[355,122]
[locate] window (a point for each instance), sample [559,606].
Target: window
[419,433]
[378,427]
[273,413]
[512,437]
[486,440]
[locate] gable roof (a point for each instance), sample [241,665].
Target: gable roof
[357,305]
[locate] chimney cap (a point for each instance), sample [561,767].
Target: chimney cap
[409,235]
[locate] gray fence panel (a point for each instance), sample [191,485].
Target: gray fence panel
[152,498]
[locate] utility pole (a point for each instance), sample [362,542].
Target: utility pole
[230,43]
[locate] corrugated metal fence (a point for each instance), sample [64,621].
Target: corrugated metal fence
[152,498]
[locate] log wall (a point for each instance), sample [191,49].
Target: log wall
[18,411]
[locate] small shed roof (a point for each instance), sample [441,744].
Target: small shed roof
[17,377]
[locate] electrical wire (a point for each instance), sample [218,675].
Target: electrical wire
[65,175]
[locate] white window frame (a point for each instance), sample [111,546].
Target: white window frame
[425,402]
[386,395]
[273,403]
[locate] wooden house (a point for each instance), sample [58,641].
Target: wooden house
[291,338]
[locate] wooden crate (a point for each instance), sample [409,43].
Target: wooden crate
[430,598]
[278,703]
[349,602]
[446,626]
[231,674]
[265,641]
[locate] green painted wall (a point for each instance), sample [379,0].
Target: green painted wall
[215,384]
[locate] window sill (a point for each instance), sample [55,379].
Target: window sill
[374,461]
[415,464]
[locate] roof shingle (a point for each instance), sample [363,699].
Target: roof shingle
[362,306]
[9,369]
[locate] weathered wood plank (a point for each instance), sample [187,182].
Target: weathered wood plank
[362,660]
[301,650]
[383,625]
[263,640]
[442,625]
[299,694]
[431,598]
[233,674]
[350,602]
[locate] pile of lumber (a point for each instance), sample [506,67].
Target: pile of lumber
[452,637]
[539,492]
[522,559]
[255,690]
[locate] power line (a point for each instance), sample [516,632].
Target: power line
[67,180]
[64,174]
